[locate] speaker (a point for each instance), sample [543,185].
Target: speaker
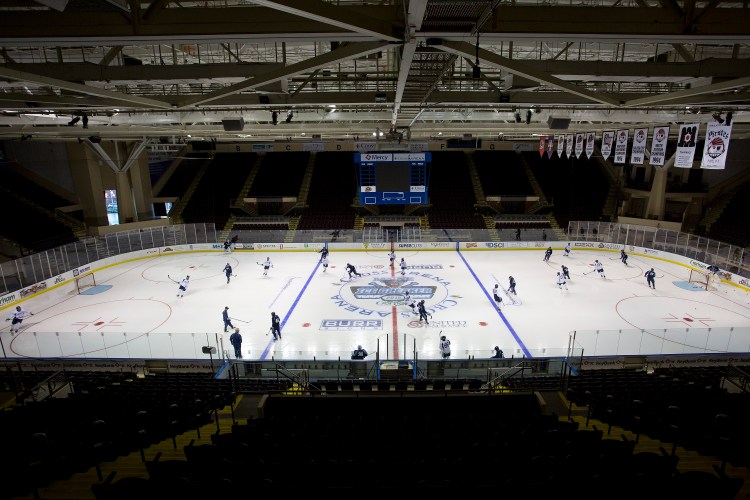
[208,349]
[264,99]
[557,123]
[95,139]
[233,124]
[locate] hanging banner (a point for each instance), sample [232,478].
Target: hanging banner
[569,145]
[579,145]
[550,145]
[560,145]
[659,146]
[717,146]
[638,150]
[542,145]
[621,146]
[686,145]
[590,138]
[607,139]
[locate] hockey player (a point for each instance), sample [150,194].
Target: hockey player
[403,266]
[423,312]
[496,296]
[392,256]
[410,302]
[275,326]
[183,286]
[228,271]
[651,278]
[561,283]
[352,270]
[565,272]
[323,253]
[227,246]
[266,266]
[225,317]
[17,318]
[599,268]
[547,254]
[512,285]
[324,262]
[567,250]
[623,257]
[445,347]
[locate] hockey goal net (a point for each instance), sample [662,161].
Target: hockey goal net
[84,282]
[700,278]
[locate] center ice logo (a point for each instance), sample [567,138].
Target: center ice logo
[391,291]
[376,293]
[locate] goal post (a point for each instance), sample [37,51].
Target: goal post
[700,278]
[84,282]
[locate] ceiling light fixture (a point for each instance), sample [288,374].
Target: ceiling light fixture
[476,72]
[275,118]
[528,117]
[728,121]
[518,117]
[717,116]
[289,116]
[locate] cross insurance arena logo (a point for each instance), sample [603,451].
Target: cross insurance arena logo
[374,294]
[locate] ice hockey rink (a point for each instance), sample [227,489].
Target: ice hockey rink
[134,311]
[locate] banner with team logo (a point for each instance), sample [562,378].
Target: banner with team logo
[569,145]
[579,145]
[560,145]
[621,146]
[717,146]
[550,146]
[607,139]
[659,146]
[590,138]
[542,145]
[686,145]
[638,149]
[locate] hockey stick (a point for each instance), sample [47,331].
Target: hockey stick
[589,272]
[242,320]
[168,276]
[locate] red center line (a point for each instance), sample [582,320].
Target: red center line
[394,313]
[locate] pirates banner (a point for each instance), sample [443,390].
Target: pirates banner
[621,146]
[638,150]
[590,138]
[659,146]
[717,146]
[569,145]
[560,145]
[542,145]
[579,145]
[607,139]
[686,145]
[550,146]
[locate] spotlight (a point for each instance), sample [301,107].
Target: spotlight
[25,137]
[728,121]
[75,120]
[85,119]
[289,117]
[275,118]
[528,117]
[95,139]
[717,116]
[518,117]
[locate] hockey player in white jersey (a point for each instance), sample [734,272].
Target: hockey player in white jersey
[324,263]
[266,265]
[392,257]
[599,268]
[561,283]
[403,266]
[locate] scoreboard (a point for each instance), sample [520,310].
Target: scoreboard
[392,178]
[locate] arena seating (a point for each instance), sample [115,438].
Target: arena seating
[332,191]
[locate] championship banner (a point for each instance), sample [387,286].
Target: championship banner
[590,138]
[569,145]
[621,147]
[542,146]
[659,146]
[560,146]
[607,139]
[579,145]
[638,150]
[550,146]
[717,146]
[686,145]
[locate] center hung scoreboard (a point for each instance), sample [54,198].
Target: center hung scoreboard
[392,178]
